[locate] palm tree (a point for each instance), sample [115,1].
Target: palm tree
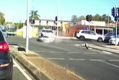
[2,19]
[34,15]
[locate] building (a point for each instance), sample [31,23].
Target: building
[93,23]
[49,22]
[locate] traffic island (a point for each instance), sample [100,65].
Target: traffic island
[42,68]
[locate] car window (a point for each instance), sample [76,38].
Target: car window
[48,31]
[118,36]
[4,30]
[91,32]
[83,32]
[86,32]
[1,37]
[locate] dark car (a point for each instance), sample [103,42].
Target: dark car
[108,36]
[6,63]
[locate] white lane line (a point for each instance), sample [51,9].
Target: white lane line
[56,58]
[21,70]
[77,45]
[110,64]
[96,60]
[74,59]
[47,52]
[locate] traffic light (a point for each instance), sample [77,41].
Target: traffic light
[118,12]
[89,17]
[113,12]
[116,18]
[56,19]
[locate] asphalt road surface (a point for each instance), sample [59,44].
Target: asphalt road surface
[19,73]
[89,63]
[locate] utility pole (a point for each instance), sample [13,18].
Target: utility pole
[115,14]
[116,33]
[27,36]
[56,22]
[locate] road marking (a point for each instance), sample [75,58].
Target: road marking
[110,64]
[74,59]
[21,70]
[56,58]
[73,52]
[47,52]
[96,60]
[77,45]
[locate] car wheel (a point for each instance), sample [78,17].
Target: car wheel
[82,38]
[100,40]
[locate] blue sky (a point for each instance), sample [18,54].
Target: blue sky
[16,10]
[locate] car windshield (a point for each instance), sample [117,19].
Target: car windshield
[109,34]
[48,31]
[61,39]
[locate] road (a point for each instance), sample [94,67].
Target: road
[19,73]
[89,63]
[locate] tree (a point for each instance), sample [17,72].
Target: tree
[106,18]
[2,19]
[34,15]
[97,17]
[19,25]
[89,18]
[81,18]
[74,19]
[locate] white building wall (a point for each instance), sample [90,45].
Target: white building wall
[93,23]
[43,23]
[49,23]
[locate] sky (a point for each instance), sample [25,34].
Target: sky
[16,10]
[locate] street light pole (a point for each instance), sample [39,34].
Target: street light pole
[57,27]
[27,37]
[116,34]
[116,25]
[57,18]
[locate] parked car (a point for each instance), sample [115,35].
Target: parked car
[6,63]
[114,40]
[4,31]
[88,34]
[108,36]
[47,35]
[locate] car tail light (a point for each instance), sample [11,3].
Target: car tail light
[4,47]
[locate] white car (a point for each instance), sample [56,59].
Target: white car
[114,40]
[47,35]
[88,34]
